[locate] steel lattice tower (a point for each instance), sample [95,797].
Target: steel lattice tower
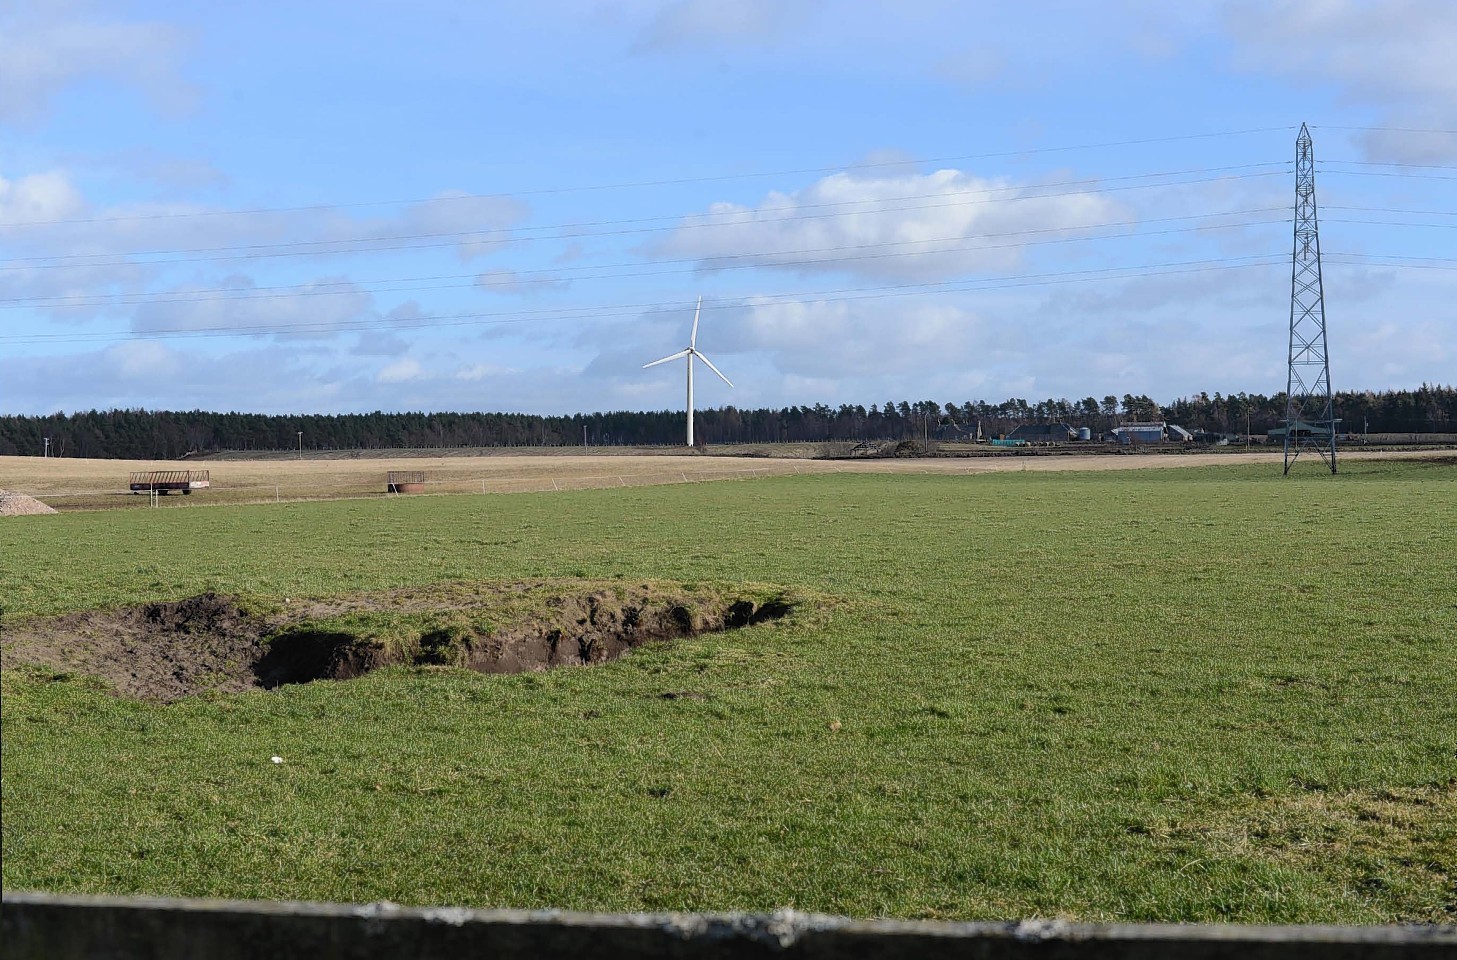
[1310,422]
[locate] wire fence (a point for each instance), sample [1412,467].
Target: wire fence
[345,484]
[361,486]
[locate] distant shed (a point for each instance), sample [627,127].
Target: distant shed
[1150,432]
[1042,433]
[1303,431]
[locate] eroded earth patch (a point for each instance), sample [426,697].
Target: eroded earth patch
[173,649]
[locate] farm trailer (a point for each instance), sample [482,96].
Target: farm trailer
[165,481]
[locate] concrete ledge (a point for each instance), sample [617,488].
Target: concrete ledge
[57,927]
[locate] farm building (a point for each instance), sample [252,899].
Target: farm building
[1042,433]
[1152,431]
[1302,431]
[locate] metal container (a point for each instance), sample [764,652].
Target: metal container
[1085,433]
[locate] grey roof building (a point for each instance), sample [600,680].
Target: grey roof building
[1042,433]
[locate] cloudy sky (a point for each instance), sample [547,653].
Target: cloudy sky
[333,207]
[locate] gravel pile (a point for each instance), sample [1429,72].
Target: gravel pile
[19,505]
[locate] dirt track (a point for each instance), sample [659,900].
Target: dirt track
[68,483]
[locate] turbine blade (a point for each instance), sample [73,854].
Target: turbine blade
[693,338]
[677,356]
[713,368]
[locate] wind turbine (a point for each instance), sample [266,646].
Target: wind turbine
[690,352]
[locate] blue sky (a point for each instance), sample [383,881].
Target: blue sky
[335,207]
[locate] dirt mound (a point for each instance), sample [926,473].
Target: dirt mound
[212,643]
[158,650]
[19,505]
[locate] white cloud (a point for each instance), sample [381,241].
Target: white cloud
[711,23]
[143,360]
[976,67]
[27,205]
[162,376]
[45,47]
[511,282]
[310,309]
[373,343]
[145,164]
[1395,56]
[840,340]
[401,371]
[483,221]
[481,371]
[408,312]
[472,224]
[37,198]
[908,227]
[853,349]
[72,261]
[1261,286]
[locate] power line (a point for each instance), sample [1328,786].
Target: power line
[1415,213]
[714,178]
[1396,256]
[1387,173]
[593,312]
[788,259]
[713,262]
[285,249]
[1405,262]
[1446,133]
[618,311]
[677,218]
[1322,164]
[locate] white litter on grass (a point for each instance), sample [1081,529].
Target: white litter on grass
[277,759]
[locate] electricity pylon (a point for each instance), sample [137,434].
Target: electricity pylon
[1310,422]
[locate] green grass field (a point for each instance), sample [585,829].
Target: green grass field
[1212,694]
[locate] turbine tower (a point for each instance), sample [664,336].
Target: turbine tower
[690,352]
[1310,422]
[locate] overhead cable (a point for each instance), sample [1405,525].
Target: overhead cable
[713,178]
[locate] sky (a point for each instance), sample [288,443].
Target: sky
[345,207]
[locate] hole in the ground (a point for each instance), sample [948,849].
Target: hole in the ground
[211,642]
[299,656]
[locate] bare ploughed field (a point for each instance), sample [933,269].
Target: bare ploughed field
[70,484]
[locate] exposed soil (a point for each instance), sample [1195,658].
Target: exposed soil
[170,650]
[76,484]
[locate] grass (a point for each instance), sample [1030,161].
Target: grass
[1213,694]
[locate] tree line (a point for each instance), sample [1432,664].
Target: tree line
[165,435]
